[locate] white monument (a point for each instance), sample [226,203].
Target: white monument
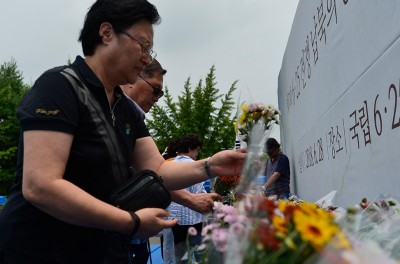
[339,94]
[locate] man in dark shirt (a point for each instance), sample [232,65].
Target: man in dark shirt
[277,171]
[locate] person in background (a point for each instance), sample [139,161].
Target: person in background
[187,151]
[148,89]
[170,151]
[59,209]
[167,237]
[277,171]
[145,93]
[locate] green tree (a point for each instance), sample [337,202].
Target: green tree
[203,111]
[11,91]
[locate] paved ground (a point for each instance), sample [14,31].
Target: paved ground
[155,250]
[154,240]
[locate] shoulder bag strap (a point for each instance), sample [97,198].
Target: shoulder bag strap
[103,126]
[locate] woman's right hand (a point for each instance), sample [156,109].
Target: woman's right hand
[152,221]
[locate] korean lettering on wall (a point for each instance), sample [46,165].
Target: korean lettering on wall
[324,17]
[377,114]
[367,121]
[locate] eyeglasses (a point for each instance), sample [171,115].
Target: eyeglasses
[156,91]
[146,48]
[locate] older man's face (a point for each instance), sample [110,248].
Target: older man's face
[146,91]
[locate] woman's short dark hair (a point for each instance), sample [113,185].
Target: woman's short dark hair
[188,142]
[121,14]
[170,150]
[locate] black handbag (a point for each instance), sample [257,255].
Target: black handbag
[144,190]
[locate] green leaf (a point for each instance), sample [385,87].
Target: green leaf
[11,91]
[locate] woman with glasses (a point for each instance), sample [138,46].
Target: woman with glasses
[59,209]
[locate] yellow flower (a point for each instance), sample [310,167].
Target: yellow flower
[309,208]
[312,209]
[340,241]
[314,229]
[279,224]
[242,117]
[282,205]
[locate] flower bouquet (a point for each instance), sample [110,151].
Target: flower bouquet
[253,113]
[376,224]
[373,230]
[254,126]
[225,186]
[261,230]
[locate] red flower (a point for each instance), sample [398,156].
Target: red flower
[268,206]
[265,235]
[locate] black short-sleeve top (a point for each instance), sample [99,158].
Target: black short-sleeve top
[53,104]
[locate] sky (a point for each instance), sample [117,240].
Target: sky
[244,39]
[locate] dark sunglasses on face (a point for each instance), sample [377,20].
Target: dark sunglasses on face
[156,91]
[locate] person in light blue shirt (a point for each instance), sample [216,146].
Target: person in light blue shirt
[188,149]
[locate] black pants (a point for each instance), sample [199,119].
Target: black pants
[181,235]
[181,231]
[138,253]
[121,252]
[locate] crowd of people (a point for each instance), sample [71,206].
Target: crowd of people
[81,139]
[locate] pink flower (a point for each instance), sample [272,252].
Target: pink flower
[230,218]
[207,229]
[220,216]
[242,219]
[252,107]
[192,231]
[237,229]
[259,106]
[229,209]
[271,113]
[220,239]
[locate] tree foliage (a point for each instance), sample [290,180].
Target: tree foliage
[11,91]
[202,111]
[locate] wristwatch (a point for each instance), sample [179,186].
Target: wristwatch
[207,168]
[263,189]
